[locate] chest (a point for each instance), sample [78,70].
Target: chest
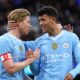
[18,52]
[55,51]
[58,46]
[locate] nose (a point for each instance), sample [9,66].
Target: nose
[30,26]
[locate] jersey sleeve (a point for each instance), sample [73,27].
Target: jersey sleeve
[4,51]
[76,53]
[35,66]
[29,44]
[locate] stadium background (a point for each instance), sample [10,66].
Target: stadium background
[69,13]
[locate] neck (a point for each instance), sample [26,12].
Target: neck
[57,30]
[15,33]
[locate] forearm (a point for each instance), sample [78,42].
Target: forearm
[19,66]
[11,67]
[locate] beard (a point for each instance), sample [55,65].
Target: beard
[50,31]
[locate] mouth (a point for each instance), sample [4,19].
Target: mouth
[43,29]
[30,28]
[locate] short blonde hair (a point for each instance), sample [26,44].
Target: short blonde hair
[18,14]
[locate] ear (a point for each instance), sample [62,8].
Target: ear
[18,23]
[53,18]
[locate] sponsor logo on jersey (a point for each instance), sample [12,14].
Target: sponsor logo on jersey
[54,46]
[55,58]
[65,45]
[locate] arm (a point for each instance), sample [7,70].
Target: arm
[76,50]
[12,67]
[35,66]
[8,62]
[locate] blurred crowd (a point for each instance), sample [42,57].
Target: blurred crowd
[69,13]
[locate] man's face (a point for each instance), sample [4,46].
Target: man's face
[46,23]
[25,26]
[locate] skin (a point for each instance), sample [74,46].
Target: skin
[49,25]
[21,28]
[68,28]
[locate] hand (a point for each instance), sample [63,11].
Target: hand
[12,25]
[68,27]
[33,55]
[29,54]
[37,53]
[68,77]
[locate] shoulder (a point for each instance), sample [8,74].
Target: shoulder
[42,40]
[43,37]
[5,40]
[70,35]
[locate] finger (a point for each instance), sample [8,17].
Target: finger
[67,77]
[29,49]
[66,27]
[69,26]
[31,56]
[12,21]
[37,53]
[30,53]
[37,49]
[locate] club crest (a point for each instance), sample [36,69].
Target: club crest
[54,45]
[65,45]
[20,48]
